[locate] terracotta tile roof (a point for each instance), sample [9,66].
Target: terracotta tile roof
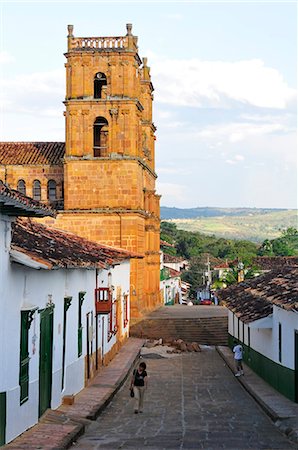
[172,272]
[274,262]
[222,265]
[254,299]
[172,259]
[14,153]
[214,262]
[57,248]
[166,244]
[13,203]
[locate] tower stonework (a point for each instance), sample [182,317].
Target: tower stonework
[109,162]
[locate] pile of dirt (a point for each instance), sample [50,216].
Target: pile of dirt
[168,348]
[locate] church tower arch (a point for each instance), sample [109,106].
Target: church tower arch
[100,137]
[100,80]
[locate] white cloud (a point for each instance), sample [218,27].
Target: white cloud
[236,132]
[219,84]
[160,114]
[172,194]
[235,160]
[39,92]
[6,57]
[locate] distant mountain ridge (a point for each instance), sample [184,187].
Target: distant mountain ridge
[253,224]
[167,212]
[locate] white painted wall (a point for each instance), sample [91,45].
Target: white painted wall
[19,286]
[289,323]
[170,288]
[120,277]
[265,340]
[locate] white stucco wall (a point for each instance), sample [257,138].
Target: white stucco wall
[265,340]
[170,288]
[24,285]
[289,323]
[20,285]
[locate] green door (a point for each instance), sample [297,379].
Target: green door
[296,366]
[45,359]
[2,417]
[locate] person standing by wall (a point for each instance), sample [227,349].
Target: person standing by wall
[139,382]
[238,355]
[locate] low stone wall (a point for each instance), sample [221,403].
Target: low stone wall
[206,331]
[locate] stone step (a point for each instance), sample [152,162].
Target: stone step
[210,331]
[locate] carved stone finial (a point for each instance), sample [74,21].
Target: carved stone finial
[129,28]
[70,30]
[145,62]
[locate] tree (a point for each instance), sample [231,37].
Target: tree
[289,232]
[194,274]
[285,245]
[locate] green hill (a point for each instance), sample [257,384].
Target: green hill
[253,226]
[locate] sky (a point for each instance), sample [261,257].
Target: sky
[225,98]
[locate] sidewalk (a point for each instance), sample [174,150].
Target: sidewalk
[58,428]
[281,410]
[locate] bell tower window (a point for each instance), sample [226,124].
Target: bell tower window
[100,136]
[100,80]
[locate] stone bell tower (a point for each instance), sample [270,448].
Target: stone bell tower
[109,167]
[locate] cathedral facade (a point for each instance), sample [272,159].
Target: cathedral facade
[102,179]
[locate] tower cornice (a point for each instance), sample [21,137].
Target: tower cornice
[114,157]
[91,101]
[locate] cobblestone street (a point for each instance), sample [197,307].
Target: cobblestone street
[193,402]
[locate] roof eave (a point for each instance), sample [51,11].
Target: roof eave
[28,260]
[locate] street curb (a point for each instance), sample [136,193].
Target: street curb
[281,423]
[72,437]
[270,412]
[98,409]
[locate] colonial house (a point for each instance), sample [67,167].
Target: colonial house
[102,178]
[175,262]
[220,269]
[64,311]
[263,316]
[170,286]
[185,288]
[170,276]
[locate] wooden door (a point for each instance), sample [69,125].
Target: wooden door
[45,359]
[102,340]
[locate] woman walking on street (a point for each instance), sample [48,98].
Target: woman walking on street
[139,384]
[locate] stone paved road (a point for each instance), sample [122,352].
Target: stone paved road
[193,402]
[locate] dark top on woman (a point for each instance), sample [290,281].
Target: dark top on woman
[139,378]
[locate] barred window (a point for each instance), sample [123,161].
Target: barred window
[22,187]
[52,190]
[36,190]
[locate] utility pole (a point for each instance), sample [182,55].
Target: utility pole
[208,274]
[240,272]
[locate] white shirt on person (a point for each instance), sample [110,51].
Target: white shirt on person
[238,351]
